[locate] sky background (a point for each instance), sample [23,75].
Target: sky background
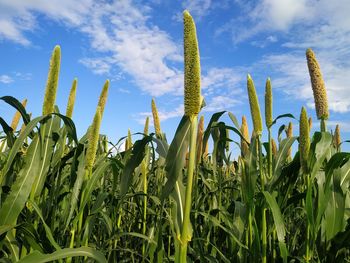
[138,46]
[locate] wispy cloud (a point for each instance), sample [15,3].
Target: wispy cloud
[198,9]
[120,33]
[222,80]
[99,66]
[320,24]
[264,42]
[6,79]
[18,17]
[163,114]
[201,8]
[219,103]
[123,39]
[124,90]
[266,16]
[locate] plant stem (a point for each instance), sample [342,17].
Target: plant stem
[144,174]
[263,223]
[186,234]
[323,125]
[269,157]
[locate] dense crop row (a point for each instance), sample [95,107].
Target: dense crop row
[69,199]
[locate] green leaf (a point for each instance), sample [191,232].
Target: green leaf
[250,174]
[279,224]
[47,228]
[234,120]
[21,188]
[287,115]
[281,158]
[91,184]
[5,228]
[70,127]
[18,106]
[47,142]
[214,118]
[135,234]
[175,159]
[162,147]
[137,155]
[217,223]
[320,146]
[79,158]
[19,143]
[8,131]
[37,257]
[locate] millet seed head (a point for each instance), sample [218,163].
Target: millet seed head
[337,139]
[268,103]
[94,134]
[52,81]
[192,96]
[304,140]
[274,147]
[145,129]
[156,121]
[103,97]
[71,99]
[245,134]
[17,116]
[254,106]
[318,86]
[289,131]
[128,141]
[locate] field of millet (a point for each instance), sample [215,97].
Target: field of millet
[70,199]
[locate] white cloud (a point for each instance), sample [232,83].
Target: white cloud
[163,114]
[124,40]
[99,66]
[197,8]
[22,76]
[119,30]
[219,103]
[18,17]
[5,79]
[201,8]
[218,81]
[265,42]
[285,15]
[320,24]
[141,50]
[126,91]
[280,14]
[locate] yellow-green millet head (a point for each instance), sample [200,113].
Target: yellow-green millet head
[304,140]
[268,103]
[52,81]
[192,96]
[318,86]
[254,106]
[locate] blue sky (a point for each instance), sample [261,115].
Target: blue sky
[138,46]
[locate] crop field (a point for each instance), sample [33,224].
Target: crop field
[70,199]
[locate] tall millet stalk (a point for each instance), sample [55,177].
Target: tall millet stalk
[192,102]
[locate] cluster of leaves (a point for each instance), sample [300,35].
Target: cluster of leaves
[112,215]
